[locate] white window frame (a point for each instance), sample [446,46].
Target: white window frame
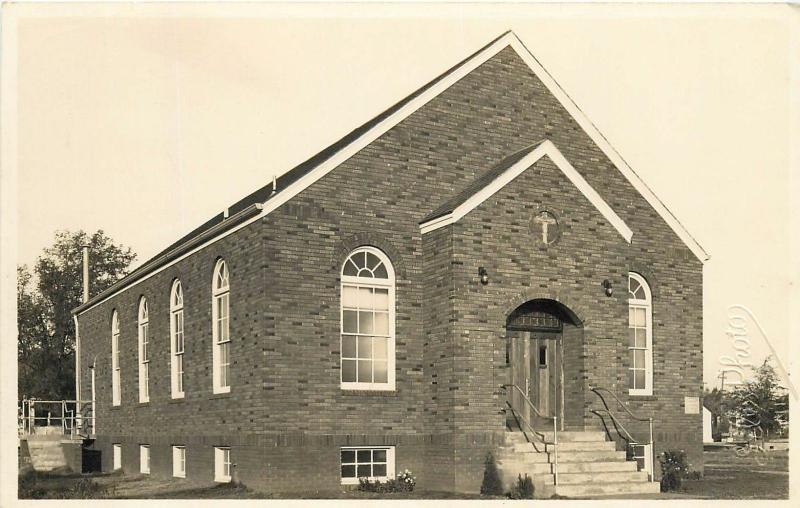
[115,369]
[144,459]
[647,305]
[144,351]
[176,333]
[390,465]
[222,460]
[116,455]
[220,285]
[388,283]
[179,461]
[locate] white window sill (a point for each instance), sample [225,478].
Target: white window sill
[640,393]
[218,389]
[222,479]
[382,387]
[355,481]
[182,475]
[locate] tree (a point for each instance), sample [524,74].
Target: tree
[45,299]
[758,404]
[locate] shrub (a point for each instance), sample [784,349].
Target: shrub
[492,485]
[673,469]
[523,489]
[694,475]
[405,482]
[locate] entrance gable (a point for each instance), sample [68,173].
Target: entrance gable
[505,172]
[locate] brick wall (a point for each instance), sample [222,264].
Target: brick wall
[284,273]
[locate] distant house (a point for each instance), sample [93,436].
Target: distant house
[707,426]
[474,261]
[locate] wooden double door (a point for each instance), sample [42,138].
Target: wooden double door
[536,361]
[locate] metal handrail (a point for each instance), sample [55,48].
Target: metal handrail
[617,424]
[521,417]
[71,420]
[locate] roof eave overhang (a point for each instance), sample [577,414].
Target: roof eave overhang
[183,249]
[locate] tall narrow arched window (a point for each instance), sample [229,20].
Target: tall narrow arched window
[144,351]
[220,310]
[640,336]
[176,338]
[367,321]
[115,372]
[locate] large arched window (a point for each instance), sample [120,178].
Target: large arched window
[144,351]
[367,348]
[640,336]
[115,372]
[176,338]
[220,310]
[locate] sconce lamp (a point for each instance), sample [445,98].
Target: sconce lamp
[607,286]
[484,275]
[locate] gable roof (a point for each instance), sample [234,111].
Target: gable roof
[501,174]
[289,184]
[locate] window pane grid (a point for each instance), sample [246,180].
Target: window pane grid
[364,463]
[639,340]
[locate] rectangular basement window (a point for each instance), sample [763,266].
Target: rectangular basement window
[117,456]
[144,459]
[373,463]
[222,464]
[179,461]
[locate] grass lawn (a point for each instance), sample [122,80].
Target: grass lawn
[727,476]
[730,476]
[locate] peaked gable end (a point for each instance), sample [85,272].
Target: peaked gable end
[506,171]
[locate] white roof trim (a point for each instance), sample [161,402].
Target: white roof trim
[547,148]
[509,39]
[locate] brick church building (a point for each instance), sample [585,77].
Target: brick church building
[474,270]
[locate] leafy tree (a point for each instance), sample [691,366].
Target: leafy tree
[759,403]
[45,299]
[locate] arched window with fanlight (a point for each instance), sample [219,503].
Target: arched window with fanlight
[115,372]
[640,336]
[220,316]
[176,338]
[144,351]
[367,321]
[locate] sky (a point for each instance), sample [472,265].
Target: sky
[144,120]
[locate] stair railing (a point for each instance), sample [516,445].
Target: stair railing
[75,417]
[622,432]
[520,416]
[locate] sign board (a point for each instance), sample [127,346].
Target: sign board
[691,405]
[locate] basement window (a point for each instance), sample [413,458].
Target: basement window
[222,464]
[117,456]
[179,461]
[372,463]
[144,459]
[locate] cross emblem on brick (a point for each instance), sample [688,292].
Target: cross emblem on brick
[549,226]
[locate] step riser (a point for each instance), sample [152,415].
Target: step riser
[608,489]
[605,456]
[576,436]
[583,446]
[596,467]
[603,476]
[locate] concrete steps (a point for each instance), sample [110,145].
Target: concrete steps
[603,489]
[588,465]
[52,453]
